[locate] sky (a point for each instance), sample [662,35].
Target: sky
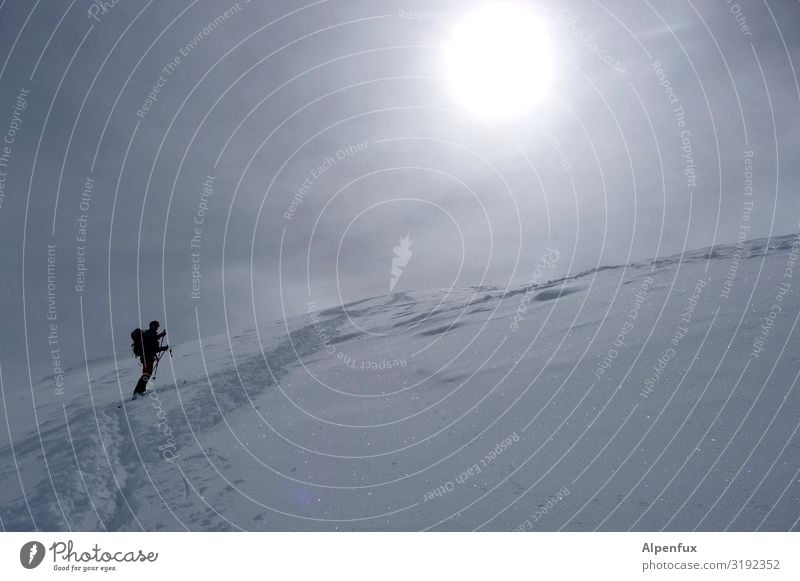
[218,165]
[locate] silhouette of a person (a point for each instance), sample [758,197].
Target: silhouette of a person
[151,347]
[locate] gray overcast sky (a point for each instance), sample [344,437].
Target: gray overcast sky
[263,94]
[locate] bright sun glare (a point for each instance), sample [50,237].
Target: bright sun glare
[499,60]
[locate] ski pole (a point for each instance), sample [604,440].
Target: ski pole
[155,368]
[158,359]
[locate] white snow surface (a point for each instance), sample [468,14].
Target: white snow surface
[624,398]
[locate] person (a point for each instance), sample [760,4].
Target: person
[151,347]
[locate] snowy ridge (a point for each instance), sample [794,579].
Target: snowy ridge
[626,397]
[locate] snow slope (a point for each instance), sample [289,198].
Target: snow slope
[658,395]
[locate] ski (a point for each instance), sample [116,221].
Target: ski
[134,398]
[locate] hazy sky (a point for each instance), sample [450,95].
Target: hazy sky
[298,143]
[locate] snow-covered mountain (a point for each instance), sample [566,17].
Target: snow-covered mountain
[658,395]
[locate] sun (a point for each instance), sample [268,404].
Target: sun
[499,60]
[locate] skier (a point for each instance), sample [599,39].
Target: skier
[150,347]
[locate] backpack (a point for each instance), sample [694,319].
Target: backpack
[138,343]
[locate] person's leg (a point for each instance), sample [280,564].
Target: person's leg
[141,385]
[147,369]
